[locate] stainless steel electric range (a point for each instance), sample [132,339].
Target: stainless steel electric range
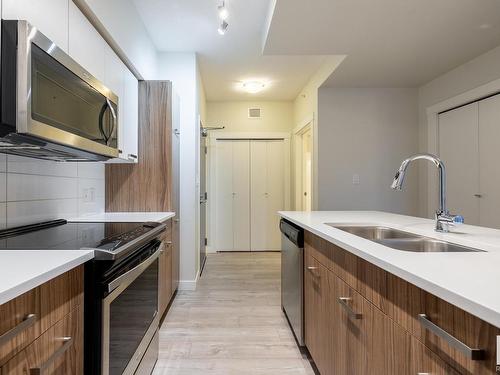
[121,288]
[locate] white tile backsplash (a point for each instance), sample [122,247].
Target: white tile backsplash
[19,164]
[91,170]
[25,187]
[37,190]
[28,212]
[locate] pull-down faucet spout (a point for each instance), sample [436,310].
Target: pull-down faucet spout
[443,217]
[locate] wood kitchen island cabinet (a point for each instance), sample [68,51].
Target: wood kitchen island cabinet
[360,319]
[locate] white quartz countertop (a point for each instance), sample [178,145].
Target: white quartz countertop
[469,280]
[125,217]
[22,270]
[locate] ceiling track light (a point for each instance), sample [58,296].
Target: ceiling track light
[222,10]
[223,28]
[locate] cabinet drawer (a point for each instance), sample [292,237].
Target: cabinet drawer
[26,317]
[424,361]
[364,277]
[57,351]
[405,302]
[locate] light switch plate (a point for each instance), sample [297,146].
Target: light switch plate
[355,179]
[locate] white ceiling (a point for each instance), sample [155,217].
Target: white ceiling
[387,42]
[191,25]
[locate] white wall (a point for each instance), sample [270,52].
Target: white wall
[34,190]
[305,107]
[181,69]
[276,116]
[366,131]
[477,72]
[122,21]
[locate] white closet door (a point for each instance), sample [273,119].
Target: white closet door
[258,226]
[489,170]
[459,149]
[224,196]
[275,190]
[241,196]
[267,181]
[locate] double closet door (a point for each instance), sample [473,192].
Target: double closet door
[250,184]
[469,142]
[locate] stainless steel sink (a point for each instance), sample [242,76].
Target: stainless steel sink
[374,232]
[425,245]
[400,240]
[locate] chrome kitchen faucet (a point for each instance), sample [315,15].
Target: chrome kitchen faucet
[443,217]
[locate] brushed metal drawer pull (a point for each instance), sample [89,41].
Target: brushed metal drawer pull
[344,303]
[311,268]
[68,341]
[27,322]
[471,353]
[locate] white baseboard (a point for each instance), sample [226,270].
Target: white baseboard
[210,250]
[189,285]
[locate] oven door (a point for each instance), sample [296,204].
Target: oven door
[57,99]
[130,313]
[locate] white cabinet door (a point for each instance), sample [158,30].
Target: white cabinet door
[459,150]
[130,116]
[48,16]
[267,187]
[489,168]
[86,46]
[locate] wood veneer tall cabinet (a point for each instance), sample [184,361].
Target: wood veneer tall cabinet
[153,183]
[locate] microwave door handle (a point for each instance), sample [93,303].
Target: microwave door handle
[113,114]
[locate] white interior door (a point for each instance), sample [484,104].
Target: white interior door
[459,149]
[267,193]
[489,170]
[232,191]
[241,195]
[224,196]
[275,192]
[306,169]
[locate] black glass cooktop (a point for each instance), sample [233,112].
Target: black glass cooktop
[61,235]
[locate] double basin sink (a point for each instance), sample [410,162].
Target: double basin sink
[400,240]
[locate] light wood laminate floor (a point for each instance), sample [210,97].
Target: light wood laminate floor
[232,323]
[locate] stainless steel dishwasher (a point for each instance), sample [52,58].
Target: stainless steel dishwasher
[292,277]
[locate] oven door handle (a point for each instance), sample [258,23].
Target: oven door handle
[132,274]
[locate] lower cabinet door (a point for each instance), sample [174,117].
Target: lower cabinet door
[58,351]
[424,361]
[164,278]
[319,320]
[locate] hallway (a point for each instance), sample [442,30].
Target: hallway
[232,323]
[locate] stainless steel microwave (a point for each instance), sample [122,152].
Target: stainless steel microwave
[50,106]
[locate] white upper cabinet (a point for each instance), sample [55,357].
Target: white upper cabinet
[130,111]
[86,46]
[48,16]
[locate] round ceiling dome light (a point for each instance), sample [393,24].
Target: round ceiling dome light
[253,87]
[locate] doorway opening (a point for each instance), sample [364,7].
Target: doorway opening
[304,167]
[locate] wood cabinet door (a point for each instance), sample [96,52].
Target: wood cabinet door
[165,277]
[318,314]
[57,351]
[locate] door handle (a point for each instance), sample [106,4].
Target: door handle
[471,353]
[344,302]
[27,322]
[67,342]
